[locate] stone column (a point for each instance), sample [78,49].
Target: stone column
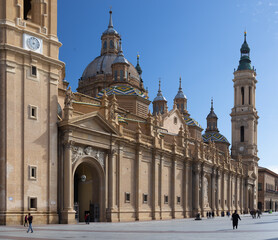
[217,192]
[68,214]
[229,193]
[186,189]
[173,183]
[138,193]
[202,191]
[196,183]
[119,181]
[155,186]
[246,196]
[241,193]
[111,179]
[213,190]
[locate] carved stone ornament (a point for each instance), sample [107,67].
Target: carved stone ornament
[78,152]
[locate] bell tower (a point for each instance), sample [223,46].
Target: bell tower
[30,72]
[244,124]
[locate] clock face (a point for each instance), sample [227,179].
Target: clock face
[241,148]
[33,43]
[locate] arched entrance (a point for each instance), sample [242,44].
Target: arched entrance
[89,190]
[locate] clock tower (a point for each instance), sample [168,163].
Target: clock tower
[245,121]
[30,73]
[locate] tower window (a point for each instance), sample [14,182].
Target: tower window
[104,45]
[33,112]
[32,172]
[145,198]
[121,75]
[175,120]
[249,95]
[165,199]
[34,71]
[115,75]
[178,106]
[242,95]
[32,203]
[242,133]
[182,106]
[111,44]
[27,9]
[178,200]
[127,197]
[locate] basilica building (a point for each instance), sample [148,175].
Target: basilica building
[100,150]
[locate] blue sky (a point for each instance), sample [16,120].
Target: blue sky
[198,40]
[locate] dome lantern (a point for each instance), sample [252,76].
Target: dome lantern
[245,62]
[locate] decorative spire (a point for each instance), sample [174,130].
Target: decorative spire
[211,108]
[212,119]
[110,19]
[159,96]
[180,93]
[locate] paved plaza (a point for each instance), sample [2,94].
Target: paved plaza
[218,228]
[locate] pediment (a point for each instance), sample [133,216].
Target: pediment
[93,122]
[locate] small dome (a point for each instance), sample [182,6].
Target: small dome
[214,137]
[110,29]
[191,122]
[102,65]
[122,90]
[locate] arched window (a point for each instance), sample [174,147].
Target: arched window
[242,95]
[115,75]
[104,45]
[111,44]
[175,120]
[242,133]
[27,9]
[182,106]
[209,125]
[178,106]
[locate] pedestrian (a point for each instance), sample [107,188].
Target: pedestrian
[88,218]
[25,221]
[235,218]
[207,214]
[212,214]
[30,220]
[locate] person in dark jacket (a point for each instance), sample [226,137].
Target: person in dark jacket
[30,220]
[88,218]
[235,218]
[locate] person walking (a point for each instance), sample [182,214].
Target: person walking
[26,221]
[88,219]
[235,218]
[30,220]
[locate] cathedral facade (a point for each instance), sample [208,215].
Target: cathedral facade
[100,150]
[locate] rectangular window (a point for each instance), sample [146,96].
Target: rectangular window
[127,197]
[166,199]
[115,75]
[178,200]
[33,112]
[34,71]
[32,203]
[260,187]
[145,198]
[32,172]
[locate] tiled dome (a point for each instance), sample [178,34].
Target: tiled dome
[214,137]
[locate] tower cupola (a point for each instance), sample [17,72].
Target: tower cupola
[181,101]
[120,66]
[159,102]
[245,62]
[110,38]
[212,120]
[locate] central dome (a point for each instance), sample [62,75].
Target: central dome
[102,65]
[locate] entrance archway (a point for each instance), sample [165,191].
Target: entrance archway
[89,190]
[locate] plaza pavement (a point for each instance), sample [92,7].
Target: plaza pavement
[218,228]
